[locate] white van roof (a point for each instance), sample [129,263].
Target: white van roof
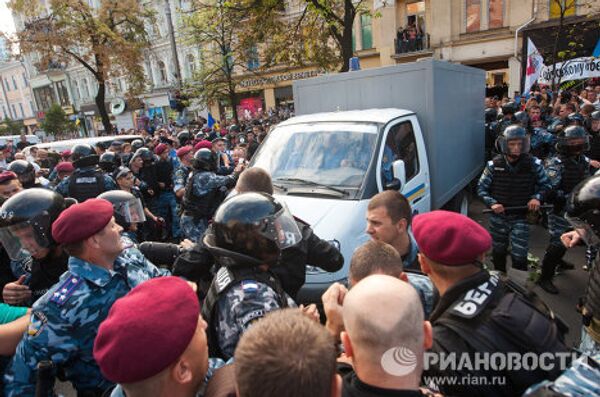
[59,146]
[381,116]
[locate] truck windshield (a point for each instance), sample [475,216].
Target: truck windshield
[332,156]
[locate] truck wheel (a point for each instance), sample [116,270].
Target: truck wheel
[459,203]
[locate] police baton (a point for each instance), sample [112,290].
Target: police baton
[44,385]
[518,208]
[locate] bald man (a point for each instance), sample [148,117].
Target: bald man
[383,318]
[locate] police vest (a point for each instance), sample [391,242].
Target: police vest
[573,172]
[594,152]
[83,186]
[592,297]
[501,316]
[514,187]
[225,279]
[200,206]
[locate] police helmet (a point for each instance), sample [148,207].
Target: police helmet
[596,115]
[25,172]
[234,128]
[250,229]
[146,155]
[84,155]
[509,108]
[184,137]
[490,115]
[199,136]
[26,220]
[512,133]
[136,144]
[109,161]
[583,209]
[204,160]
[573,141]
[128,209]
[522,118]
[575,119]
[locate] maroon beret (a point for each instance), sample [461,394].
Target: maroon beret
[147,330]
[6,176]
[66,153]
[182,151]
[160,149]
[203,145]
[81,221]
[450,238]
[65,166]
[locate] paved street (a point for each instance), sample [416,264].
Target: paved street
[572,284]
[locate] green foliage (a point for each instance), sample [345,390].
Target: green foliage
[11,127]
[56,121]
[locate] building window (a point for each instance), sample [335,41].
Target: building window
[63,94]
[5,111]
[496,14]
[190,64]
[253,62]
[565,7]
[22,111]
[162,72]
[85,89]
[44,97]
[6,85]
[366,31]
[76,92]
[25,82]
[473,15]
[14,109]
[32,107]
[15,83]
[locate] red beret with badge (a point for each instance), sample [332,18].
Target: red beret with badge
[81,221]
[65,166]
[450,238]
[147,330]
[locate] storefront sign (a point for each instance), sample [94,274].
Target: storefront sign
[269,80]
[573,69]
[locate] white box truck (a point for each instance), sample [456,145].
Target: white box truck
[416,127]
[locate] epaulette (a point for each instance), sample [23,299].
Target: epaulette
[65,290]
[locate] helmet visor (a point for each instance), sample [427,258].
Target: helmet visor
[132,211]
[584,229]
[573,146]
[514,146]
[25,239]
[282,229]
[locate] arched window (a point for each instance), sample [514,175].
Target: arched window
[190,65]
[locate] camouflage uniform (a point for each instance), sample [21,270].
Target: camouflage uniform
[180,177]
[542,143]
[208,191]
[582,378]
[425,289]
[239,307]
[555,167]
[213,365]
[511,226]
[65,321]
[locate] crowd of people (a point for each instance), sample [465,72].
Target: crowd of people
[165,267]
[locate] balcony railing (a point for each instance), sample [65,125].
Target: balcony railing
[408,46]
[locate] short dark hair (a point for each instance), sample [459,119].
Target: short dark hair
[395,204]
[272,358]
[571,107]
[74,249]
[255,179]
[375,257]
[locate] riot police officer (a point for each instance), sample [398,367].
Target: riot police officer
[491,115]
[594,152]
[565,170]
[184,138]
[204,193]
[249,232]
[25,172]
[87,181]
[508,117]
[128,213]
[512,179]
[37,260]
[181,174]
[109,161]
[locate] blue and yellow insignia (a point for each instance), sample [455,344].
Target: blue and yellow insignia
[36,324]
[65,290]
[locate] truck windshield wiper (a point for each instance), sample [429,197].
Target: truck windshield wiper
[312,183]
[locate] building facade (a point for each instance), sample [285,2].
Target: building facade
[16,98]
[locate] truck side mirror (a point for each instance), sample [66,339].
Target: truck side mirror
[399,171]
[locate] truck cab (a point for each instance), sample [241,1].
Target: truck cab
[327,166]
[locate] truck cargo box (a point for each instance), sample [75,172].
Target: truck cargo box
[447,98]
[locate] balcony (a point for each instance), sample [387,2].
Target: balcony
[409,49]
